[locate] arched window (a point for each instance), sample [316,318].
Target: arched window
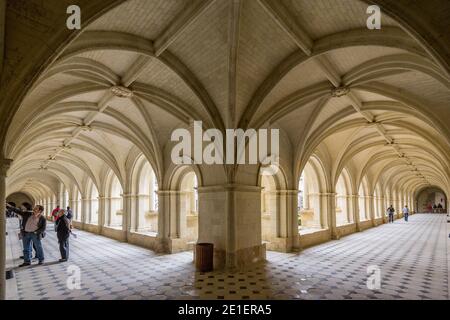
[311,216]
[343,202]
[189,206]
[116,203]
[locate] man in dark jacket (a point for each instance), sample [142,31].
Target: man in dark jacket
[69,214]
[63,234]
[33,230]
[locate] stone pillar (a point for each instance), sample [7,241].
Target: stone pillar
[355,209]
[101,212]
[371,207]
[230,217]
[4,166]
[183,200]
[167,218]
[328,205]
[107,214]
[290,231]
[284,221]
[382,207]
[60,196]
[128,205]
[85,211]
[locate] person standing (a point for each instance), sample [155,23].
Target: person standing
[32,231]
[69,214]
[29,209]
[55,214]
[55,211]
[405,213]
[63,234]
[391,212]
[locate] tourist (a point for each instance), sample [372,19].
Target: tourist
[69,214]
[26,207]
[32,232]
[54,214]
[390,212]
[63,234]
[406,213]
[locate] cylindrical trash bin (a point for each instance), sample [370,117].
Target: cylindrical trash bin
[204,257]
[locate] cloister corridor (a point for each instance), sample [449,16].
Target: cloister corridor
[281,145]
[413,258]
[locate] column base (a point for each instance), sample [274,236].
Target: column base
[335,236]
[280,244]
[241,259]
[175,245]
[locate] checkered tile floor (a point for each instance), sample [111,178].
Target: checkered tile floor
[412,258]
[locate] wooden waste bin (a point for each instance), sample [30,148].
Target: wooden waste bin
[204,257]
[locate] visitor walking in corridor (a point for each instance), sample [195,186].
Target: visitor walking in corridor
[32,232]
[391,211]
[63,234]
[406,213]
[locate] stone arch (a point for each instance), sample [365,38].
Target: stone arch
[313,186]
[144,197]
[363,200]
[275,205]
[344,194]
[114,202]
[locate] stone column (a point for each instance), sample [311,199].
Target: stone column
[284,221]
[132,206]
[167,219]
[371,206]
[329,206]
[85,208]
[348,204]
[108,214]
[382,208]
[183,200]
[230,218]
[60,197]
[4,166]
[128,208]
[101,212]
[355,209]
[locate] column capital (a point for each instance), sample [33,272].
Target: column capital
[283,192]
[230,187]
[4,166]
[323,194]
[167,192]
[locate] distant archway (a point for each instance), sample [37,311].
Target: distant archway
[432,200]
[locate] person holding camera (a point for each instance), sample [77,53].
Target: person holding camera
[33,230]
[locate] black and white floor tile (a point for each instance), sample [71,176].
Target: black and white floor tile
[412,258]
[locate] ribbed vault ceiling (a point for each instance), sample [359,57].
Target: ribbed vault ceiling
[374,100]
